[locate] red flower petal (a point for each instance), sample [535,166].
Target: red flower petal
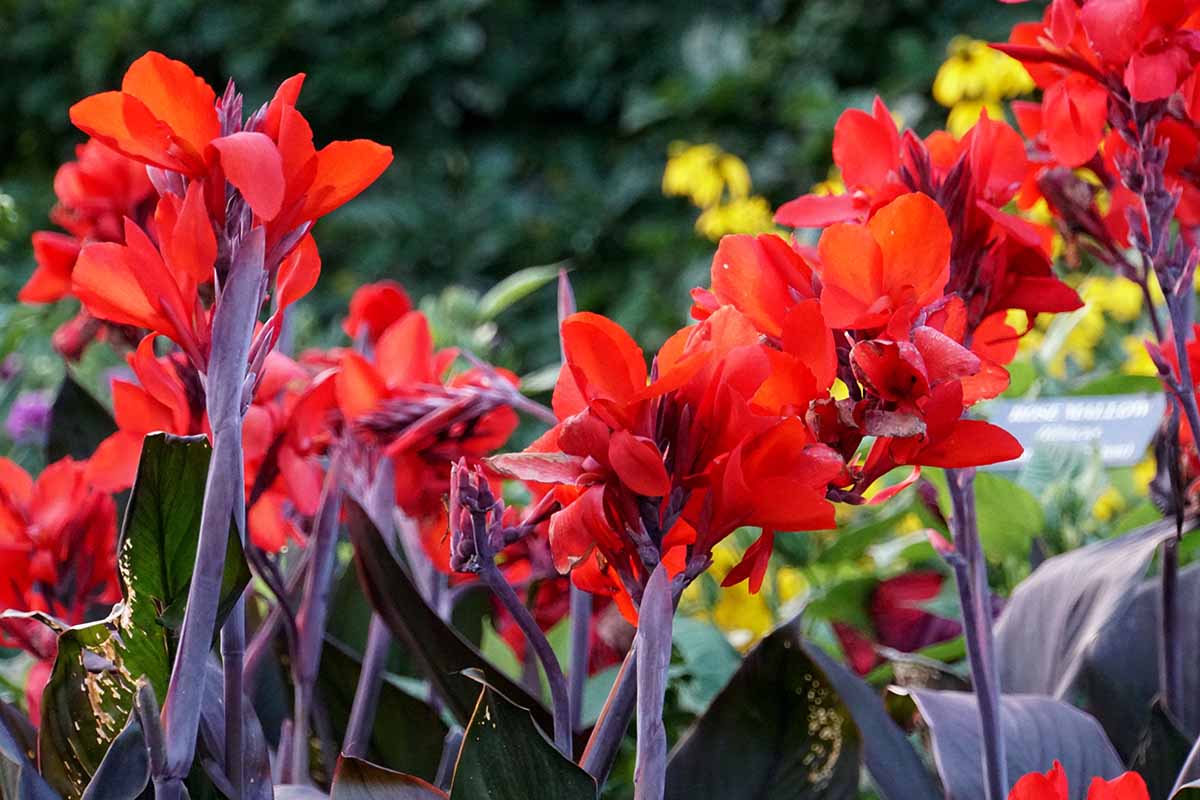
[343,170]
[252,163]
[1075,111]
[865,147]
[638,464]
[914,242]
[176,96]
[818,211]
[55,255]
[298,273]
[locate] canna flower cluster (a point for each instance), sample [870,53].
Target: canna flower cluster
[96,193]
[903,302]
[58,537]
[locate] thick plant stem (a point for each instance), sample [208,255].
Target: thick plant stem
[656,617]
[379,503]
[581,630]
[311,617]
[233,329]
[233,651]
[366,695]
[602,747]
[1170,654]
[537,641]
[970,568]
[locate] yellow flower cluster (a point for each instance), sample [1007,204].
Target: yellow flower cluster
[718,183]
[975,77]
[1105,298]
[743,617]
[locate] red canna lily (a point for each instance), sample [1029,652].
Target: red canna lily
[1052,785]
[900,257]
[170,119]
[282,479]
[665,468]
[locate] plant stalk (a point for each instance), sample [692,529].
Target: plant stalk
[311,616]
[366,695]
[581,630]
[233,328]
[605,742]
[536,640]
[970,568]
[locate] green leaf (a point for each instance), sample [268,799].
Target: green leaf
[1189,791]
[78,423]
[162,527]
[709,661]
[505,756]
[91,688]
[1009,516]
[514,288]
[362,780]
[777,730]
[1118,383]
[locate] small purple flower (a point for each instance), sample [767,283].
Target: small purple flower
[29,418]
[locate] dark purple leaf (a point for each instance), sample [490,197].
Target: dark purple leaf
[362,780]
[1037,730]
[1051,623]
[440,651]
[125,771]
[19,779]
[777,731]
[505,756]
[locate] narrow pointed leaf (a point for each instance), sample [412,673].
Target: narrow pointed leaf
[515,288]
[19,779]
[441,651]
[125,771]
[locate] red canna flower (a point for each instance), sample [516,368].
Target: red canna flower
[1052,785]
[170,119]
[900,258]
[95,194]
[400,404]
[58,538]
[1083,54]
[373,309]
[665,468]
[283,478]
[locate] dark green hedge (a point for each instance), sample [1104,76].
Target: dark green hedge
[525,132]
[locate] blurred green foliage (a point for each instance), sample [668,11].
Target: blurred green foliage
[525,133]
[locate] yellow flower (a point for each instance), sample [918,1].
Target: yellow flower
[1137,359]
[718,183]
[744,215]
[1118,297]
[1109,504]
[693,171]
[975,77]
[1143,473]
